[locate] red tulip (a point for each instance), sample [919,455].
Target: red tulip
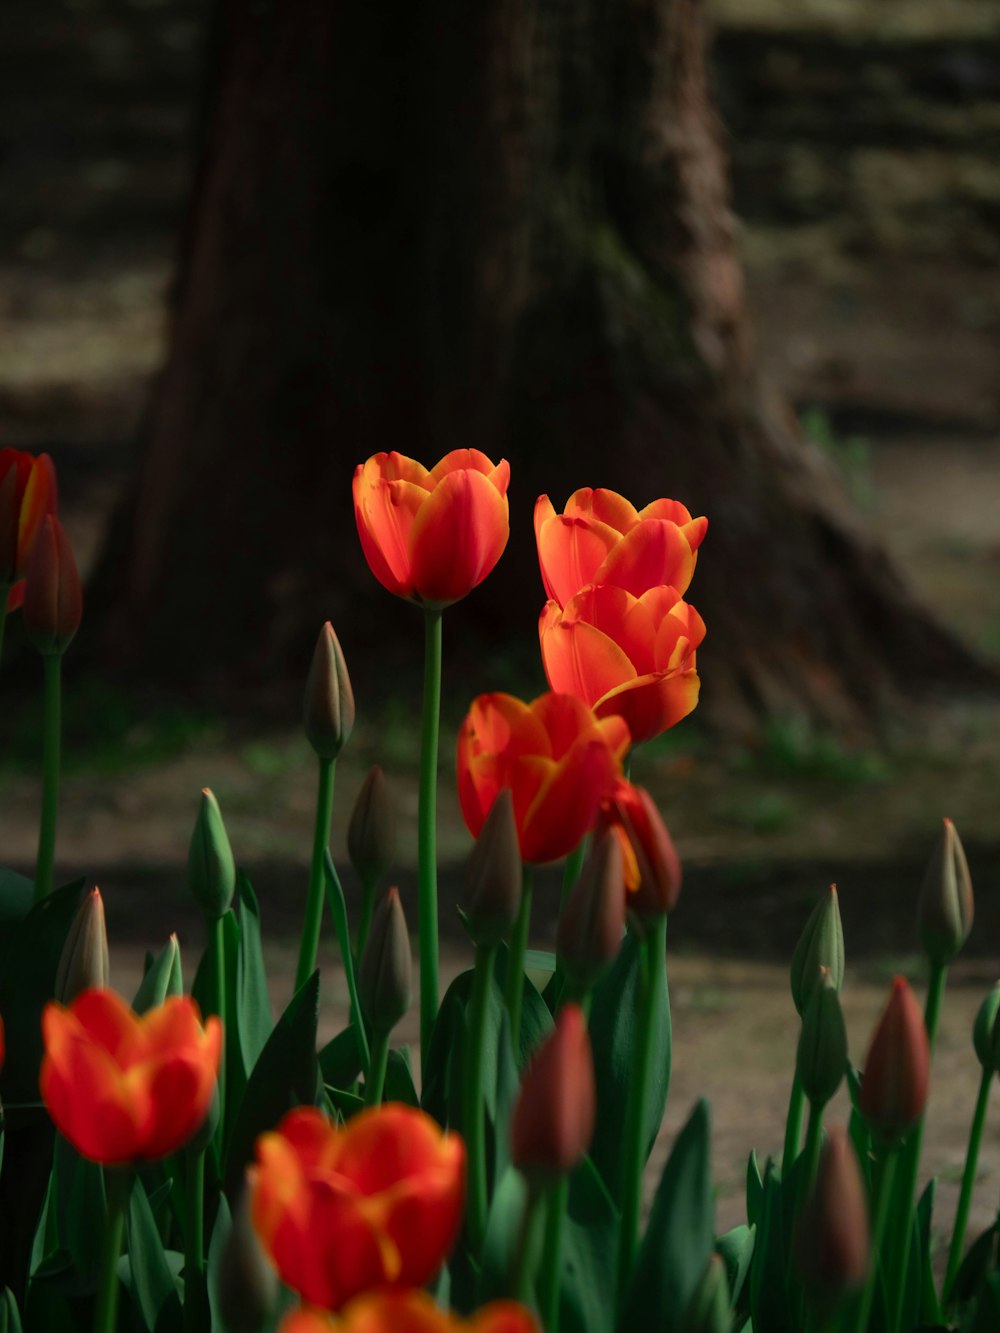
[897,1068]
[53,598]
[555,1109]
[431,537]
[559,761]
[27,494]
[652,866]
[409,1312]
[124,1088]
[375,1203]
[601,538]
[629,656]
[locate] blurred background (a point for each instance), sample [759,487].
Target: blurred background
[200,230]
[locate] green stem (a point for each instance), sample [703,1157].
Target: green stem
[375,1080]
[514,988]
[968,1180]
[571,871]
[117,1185]
[474,1120]
[427,832]
[338,910]
[551,1270]
[634,1145]
[219,952]
[883,1198]
[793,1127]
[367,912]
[810,1153]
[51,739]
[526,1253]
[309,943]
[194,1242]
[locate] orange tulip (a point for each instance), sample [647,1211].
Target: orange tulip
[409,1312]
[601,538]
[559,761]
[375,1203]
[27,494]
[626,656]
[431,537]
[124,1088]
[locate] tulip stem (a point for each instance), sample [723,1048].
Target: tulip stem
[968,1180]
[51,740]
[338,910]
[427,831]
[375,1078]
[474,1123]
[194,1241]
[634,1146]
[793,1127]
[514,988]
[526,1252]
[883,1197]
[117,1187]
[219,952]
[309,943]
[551,1271]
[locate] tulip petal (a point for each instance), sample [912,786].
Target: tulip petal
[86,1096]
[473,460]
[581,660]
[654,552]
[570,552]
[566,805]
[105,1018]
[652,704]
[602,506]
[457,537]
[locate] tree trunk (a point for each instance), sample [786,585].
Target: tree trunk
[502,224]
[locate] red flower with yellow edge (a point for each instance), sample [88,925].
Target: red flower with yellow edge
[27,494]
[652,866]
[601,538]
[409,1312]
[375,1203]
[559,761]
[432,536]
[123,1087]
[626,656]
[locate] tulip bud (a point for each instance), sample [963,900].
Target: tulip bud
[247,1283]
[491,896]
[820,945]
[897,1069]
[53,598]
[592,919]
[211,868]
[554,1113]
[652,867]
[821,1057]
[84,959]
[162,978]
[832,1242]
[986,1031]
[328,715]
[385,976]
[371,834]
[946,906]
[708,1310]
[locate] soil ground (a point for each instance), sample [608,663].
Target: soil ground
[871,251]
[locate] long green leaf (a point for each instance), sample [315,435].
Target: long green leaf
[590,1245]
[254,1020]
[151,1277]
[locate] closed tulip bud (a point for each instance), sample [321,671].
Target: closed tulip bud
[163,978]
[652,867]
[946,906]
[897,1068]
[833,1238]
[708,1310]
[211,868]
[371,834]
[385,976]
[820,945]
[554,1113]
[328,714]
[822,1051]
[84,960]
[491,896]
[592,919]
[986,1031]
[53,597]
[247,1283]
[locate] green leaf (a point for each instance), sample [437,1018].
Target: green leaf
[755,1189]
[156,984]
[80,1206]
[16,892]
[340,1059]
[285,1075]
[768,1304]
[590,1248]
[508,1084]
[10,1316]
[216,1249]
[503,1230]
[254,1020]
[613,1034]
[399,1085]
[679,1238]
[150,1276]
[736,1248]
[979,1260]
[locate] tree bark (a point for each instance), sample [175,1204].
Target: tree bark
[505,225]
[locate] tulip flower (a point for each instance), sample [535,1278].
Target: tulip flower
[409,1312]
[601,538]
[124,1088]
[559,761]
[897,1067]
[554,1114]
[432,536]
[375,1203]
[53,597]
[625,655]
[651,865]
[27,494]
[832,1242]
